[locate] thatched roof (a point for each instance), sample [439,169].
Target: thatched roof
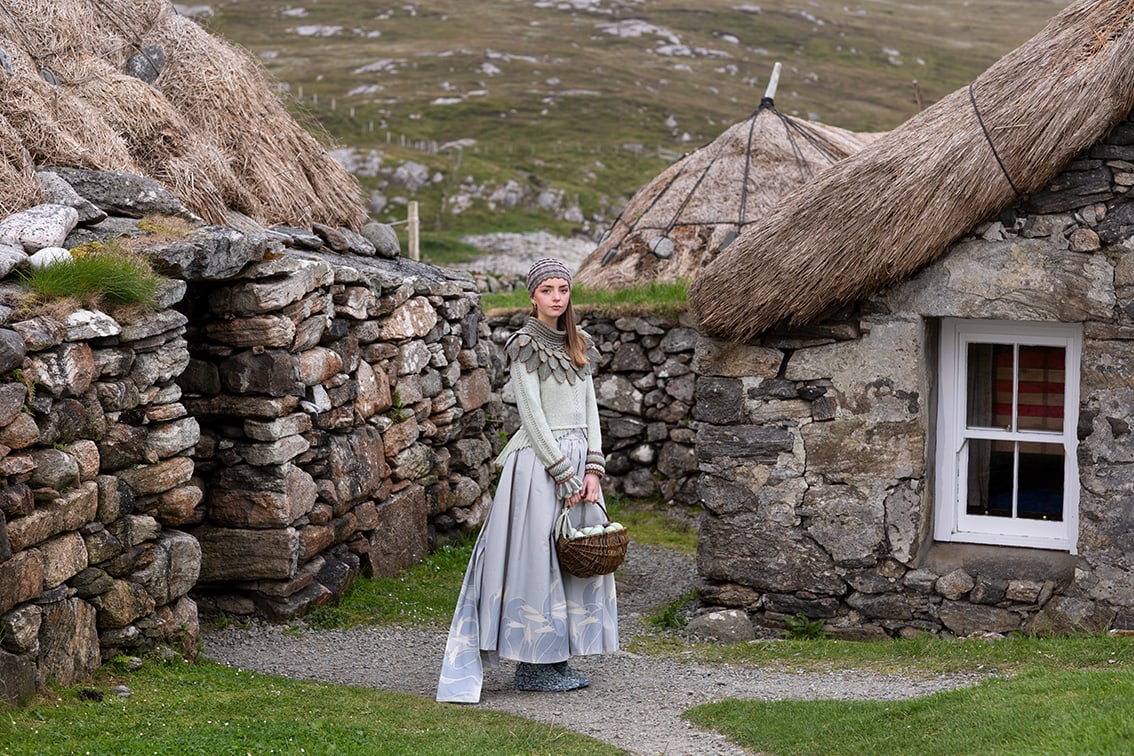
[682,218]
[130,85]
[880,215]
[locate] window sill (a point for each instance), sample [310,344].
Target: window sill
[1000,562]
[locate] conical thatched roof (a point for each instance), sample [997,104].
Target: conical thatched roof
[130,85]
[880,215]
[680,220]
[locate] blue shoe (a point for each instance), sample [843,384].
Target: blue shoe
[542,678]
[566,672]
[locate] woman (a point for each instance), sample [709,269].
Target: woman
[516,603]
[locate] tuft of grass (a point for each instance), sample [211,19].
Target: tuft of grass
[180,708]
[664,298]
[803,627]
[98,273]
[1040,712]
[673,616]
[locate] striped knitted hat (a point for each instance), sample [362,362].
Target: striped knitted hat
[543,269]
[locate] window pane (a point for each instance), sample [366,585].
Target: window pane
[990,477]
[1041,482]
[1041,388]
[989,399]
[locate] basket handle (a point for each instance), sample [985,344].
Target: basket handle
[563,523]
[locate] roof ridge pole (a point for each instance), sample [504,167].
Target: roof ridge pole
[773,84]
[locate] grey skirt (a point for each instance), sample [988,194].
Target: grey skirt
[515,602]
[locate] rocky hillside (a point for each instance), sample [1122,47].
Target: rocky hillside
[523,114]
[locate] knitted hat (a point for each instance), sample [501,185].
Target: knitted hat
[543,269]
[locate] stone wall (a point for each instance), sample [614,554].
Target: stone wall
[644,385]
[94,445]
[344,406]
[303,407]
[819,498]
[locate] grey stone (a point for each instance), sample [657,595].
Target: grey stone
[965,619]
[954,585]
[247,554]
[59,192]
[211,253]
[39,226]
[727,626]
[13,349]
[122,193]
[17,678]
[19,629]
[68,638]
[147,63]
[845,521]
[54,469]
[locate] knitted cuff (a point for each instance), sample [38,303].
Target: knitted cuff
[560,471]
[596,463]
[568,488]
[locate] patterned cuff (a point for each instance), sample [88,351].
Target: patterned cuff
[560,471]
[568,488]
[596,463]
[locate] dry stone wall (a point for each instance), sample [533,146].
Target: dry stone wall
[94,458]
[304,406]
[344,406]
[818,498]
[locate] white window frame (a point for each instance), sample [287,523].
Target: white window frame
[951,520]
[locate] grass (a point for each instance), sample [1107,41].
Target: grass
[96,274]
[662,298]
[1037,712]
[184,708]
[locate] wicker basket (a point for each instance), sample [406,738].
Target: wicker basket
[586,556]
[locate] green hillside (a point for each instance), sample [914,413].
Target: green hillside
[583,101]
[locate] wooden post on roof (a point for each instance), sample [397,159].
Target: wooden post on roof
[773,83]
[412,230]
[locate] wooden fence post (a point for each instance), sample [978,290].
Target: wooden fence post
[412,231]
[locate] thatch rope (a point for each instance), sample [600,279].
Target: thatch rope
[209,127]
[711,194]
[882,214]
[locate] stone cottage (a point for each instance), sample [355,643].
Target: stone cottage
[914,399]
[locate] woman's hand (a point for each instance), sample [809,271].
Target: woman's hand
[592,487]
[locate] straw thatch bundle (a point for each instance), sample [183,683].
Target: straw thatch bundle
[699,203]
[17,173]
[882,214]
[280,163]
[55,127]
[209,126]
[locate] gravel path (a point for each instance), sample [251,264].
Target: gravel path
[634,702]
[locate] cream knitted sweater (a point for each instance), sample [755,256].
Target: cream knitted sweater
[553,397]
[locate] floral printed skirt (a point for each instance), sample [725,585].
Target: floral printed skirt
[515,602]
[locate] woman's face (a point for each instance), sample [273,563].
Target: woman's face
[551,299]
